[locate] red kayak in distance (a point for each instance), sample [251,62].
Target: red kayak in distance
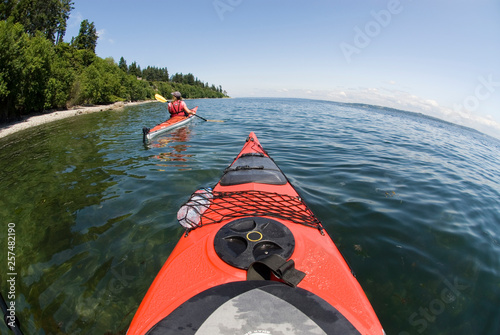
[254,260]
[172,123]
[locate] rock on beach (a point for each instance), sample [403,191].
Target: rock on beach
[33,121]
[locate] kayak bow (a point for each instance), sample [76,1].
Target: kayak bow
[172,123]
[254,260]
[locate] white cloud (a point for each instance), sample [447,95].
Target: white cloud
[409,102]
[75,19]
[102,34]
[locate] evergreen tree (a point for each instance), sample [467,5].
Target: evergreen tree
[46,16]
[87,37]
[153,73]
[177,78]
[123,65]
[188,79]
[39,71]
[135,69]
[164,74]
[65,9]
[6,7]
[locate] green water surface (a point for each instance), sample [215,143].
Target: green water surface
[413,204]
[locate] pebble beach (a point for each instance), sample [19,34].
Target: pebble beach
[36,120]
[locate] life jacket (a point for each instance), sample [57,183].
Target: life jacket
[176,108]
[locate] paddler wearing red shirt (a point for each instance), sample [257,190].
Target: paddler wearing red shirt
[177,107]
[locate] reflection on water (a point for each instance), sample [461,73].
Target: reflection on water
[58,174]
[175,144]
[411,202]
[78,194]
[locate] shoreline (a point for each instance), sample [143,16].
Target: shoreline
[37,120]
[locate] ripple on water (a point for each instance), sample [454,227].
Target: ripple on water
[411,202]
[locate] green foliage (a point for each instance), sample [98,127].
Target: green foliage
[138,89]
[36,72]
[155,74]
[24,70]
[63,75]
[188,91]
[104,82]
[6,7]
[189,79]
[39,72]
[12,44]
[98,82]
[123,64]
[46,16]
[135,70]
[87,37]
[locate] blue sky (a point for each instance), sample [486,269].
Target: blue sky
[440,58]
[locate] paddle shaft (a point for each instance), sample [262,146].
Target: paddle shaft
[162,99]
[200,117]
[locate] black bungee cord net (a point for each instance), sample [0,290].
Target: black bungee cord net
[222,206]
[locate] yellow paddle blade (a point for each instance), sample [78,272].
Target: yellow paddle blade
[160,98]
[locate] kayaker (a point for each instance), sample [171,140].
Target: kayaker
[178,107]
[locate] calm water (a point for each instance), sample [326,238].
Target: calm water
[413,204]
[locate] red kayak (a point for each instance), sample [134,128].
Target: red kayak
[254,260]
[172,123]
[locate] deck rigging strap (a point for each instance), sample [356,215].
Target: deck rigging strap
[232,205]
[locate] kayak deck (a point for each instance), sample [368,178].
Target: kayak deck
[254,215]
[249,307]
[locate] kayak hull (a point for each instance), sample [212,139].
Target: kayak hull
[170,124]
[262,218]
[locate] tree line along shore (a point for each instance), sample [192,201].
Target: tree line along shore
[40,72]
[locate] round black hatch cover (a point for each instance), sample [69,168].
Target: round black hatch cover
[244,241]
